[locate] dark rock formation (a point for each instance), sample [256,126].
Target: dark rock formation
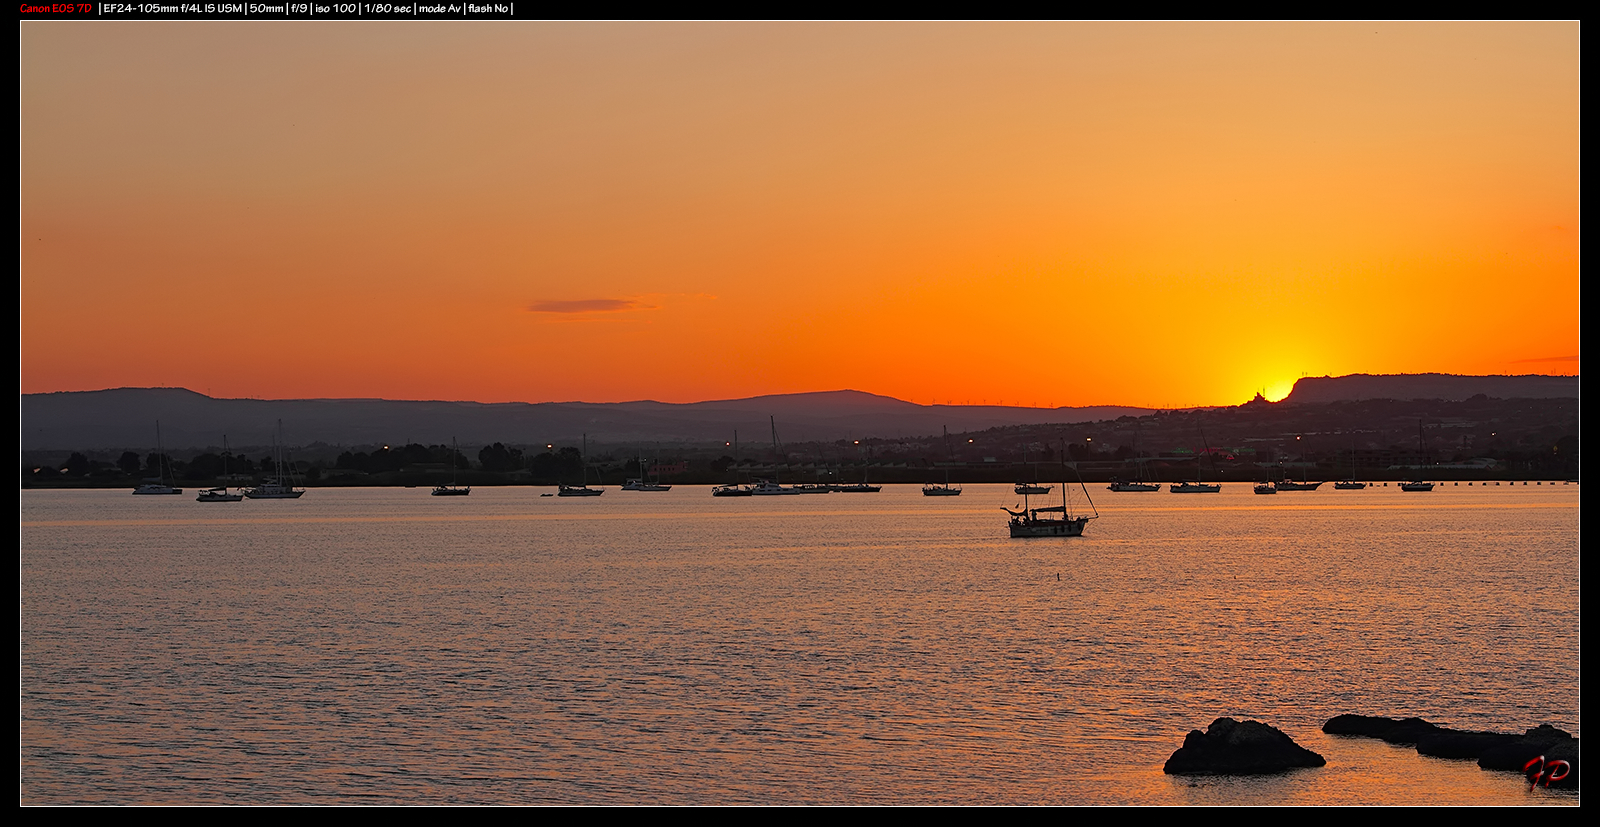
[1448,743]
[1230,747]
[1542,741]
[1389,730]
[1543,745]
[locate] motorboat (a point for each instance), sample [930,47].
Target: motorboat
[1124,485]
[1266,488]
[1030,489]
[219,495]
[1195,488]
[770,488]
[732,490]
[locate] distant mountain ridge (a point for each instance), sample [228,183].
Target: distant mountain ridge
[1445,386]
[125,418]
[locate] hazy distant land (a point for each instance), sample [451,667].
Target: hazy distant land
[1475,427]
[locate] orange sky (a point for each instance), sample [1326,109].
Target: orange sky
[1053,214]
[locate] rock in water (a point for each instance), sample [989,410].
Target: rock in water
[1230,747]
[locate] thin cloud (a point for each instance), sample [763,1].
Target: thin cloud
[1550,359]
[587,306]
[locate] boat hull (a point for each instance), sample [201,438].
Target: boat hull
[1026,527]
[941,492]
[448,491]
[1416,486]
[1349,486]
[579,492]
[1133,486]
[1298,486]
[1195,488]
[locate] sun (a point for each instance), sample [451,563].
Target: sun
[1276,391]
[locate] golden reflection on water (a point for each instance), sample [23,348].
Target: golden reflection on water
[378,645]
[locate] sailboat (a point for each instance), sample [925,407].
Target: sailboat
[1197,487]
[452,490]
[281,486]
[1030,488]
[1028,523]
[642,483]
[583,490]
[1141,484]
[1419,485]
[771,488]
[946,490]
[1350,484]
[1287,484]
[161,483]
[733,489]
[221,495]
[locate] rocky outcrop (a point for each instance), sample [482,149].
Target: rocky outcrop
[1388,730]
[1230,747]
[1542,742]
[1549,756]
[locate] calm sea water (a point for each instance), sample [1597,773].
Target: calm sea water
[383,646]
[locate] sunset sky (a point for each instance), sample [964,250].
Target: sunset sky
[1017,213]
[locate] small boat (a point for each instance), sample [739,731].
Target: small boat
[770,488]
[1421,485]
[1350,484]
[281,486]
[934,489]
[813,488]
[221,495]
[732,490]
[583,490]
[1291,485]
[857,488]
[1144,483]
[1266,488]
[162,482]
[1197,487]
[642,483]
[1027,489]
[452,490]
